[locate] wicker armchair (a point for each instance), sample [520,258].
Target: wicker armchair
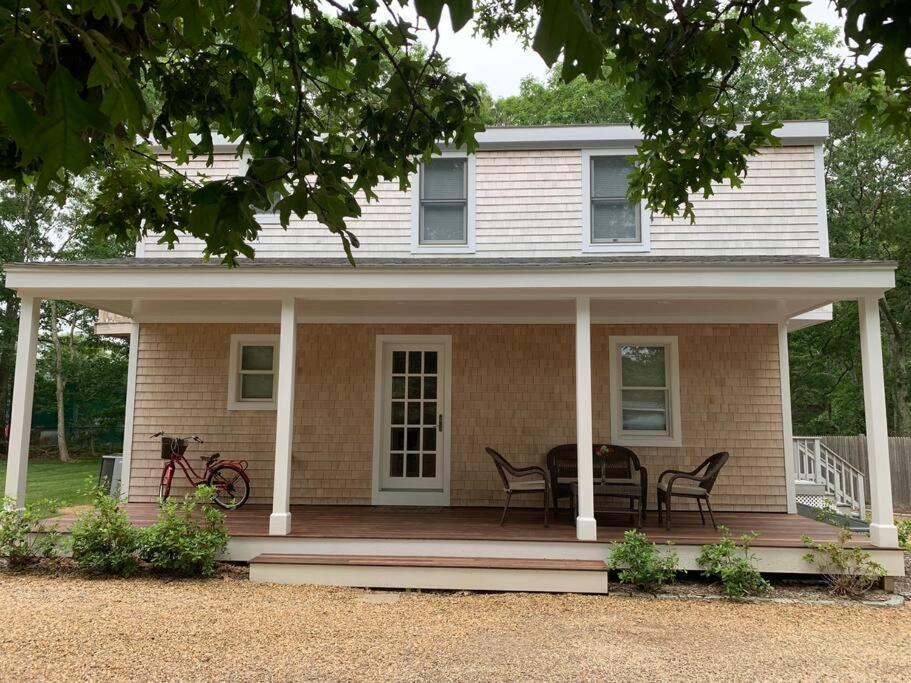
[692,485]
[521,480]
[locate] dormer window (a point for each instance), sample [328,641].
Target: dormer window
[610,221]
[443,206]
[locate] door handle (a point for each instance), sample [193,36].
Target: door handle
[440,422]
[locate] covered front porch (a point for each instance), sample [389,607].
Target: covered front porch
[552,323]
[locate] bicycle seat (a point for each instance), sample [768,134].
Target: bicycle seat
[210,458]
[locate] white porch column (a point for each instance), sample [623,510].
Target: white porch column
[882,527]
[23,390]
[586,527]
[280,520]
[787,428]
[129,409]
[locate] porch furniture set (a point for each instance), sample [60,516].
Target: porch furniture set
[618,474]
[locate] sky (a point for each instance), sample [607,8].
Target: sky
[503,65]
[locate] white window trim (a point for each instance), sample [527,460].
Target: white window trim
[237,341]
[644,244]
[672,358]
[469,246]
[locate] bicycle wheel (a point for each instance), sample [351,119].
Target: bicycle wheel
[231,484]
[164,486]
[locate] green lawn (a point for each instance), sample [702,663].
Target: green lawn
[62,481]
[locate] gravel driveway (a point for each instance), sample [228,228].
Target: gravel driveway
[67,628]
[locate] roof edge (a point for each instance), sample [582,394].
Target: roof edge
[810,132]
[488,264]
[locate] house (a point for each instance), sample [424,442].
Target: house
[513,298]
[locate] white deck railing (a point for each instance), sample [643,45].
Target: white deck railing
[815,462]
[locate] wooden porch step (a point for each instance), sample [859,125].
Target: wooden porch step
[452,573]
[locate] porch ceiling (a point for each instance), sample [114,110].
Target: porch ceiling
[623,288]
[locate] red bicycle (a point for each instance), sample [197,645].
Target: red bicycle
[228,477]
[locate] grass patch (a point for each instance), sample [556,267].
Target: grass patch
[62,481]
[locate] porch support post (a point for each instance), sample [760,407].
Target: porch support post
[23,390]
[586,526]
[882,527]
[127,451]
[280,520]
[787,428]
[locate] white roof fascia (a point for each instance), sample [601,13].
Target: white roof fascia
[661,281]
[594,136]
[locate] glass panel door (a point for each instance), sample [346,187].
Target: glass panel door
[413,417]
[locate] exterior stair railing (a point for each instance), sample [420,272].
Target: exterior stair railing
[817,463]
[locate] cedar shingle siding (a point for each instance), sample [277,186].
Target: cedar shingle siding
[512,388]
[529,203]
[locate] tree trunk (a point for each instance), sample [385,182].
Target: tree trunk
[62,448]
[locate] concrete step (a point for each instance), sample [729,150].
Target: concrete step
[450,573]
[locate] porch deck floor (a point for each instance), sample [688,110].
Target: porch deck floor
[482,523]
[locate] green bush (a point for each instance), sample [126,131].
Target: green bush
[849,571]
[102,540]
[24,538]
[641,563]
[904,534]
[733,564]
[188,536]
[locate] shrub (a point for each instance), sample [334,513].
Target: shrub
[24,538]
[850,572]
[827,512]
[733,564]
[641,563]
[904,534]
[188,536]
[102,540]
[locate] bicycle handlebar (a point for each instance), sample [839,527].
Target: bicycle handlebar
[187,438]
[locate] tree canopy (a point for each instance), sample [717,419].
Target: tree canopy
[328,97]
[868,183]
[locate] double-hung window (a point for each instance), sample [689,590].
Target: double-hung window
[253,372]
[443,214]
[610,221]
[645,392]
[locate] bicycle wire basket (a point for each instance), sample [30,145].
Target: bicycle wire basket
[172,446]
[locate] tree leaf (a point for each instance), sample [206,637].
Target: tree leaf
[58,138]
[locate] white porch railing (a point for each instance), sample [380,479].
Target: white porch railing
[815,462]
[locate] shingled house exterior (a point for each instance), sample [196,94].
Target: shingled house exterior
[512,298]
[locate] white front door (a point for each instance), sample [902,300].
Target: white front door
[412,467]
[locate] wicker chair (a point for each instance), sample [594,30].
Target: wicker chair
[521,480]
[694,485]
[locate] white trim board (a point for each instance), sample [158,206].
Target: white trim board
[75,282]
[821,211]
[561,137]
